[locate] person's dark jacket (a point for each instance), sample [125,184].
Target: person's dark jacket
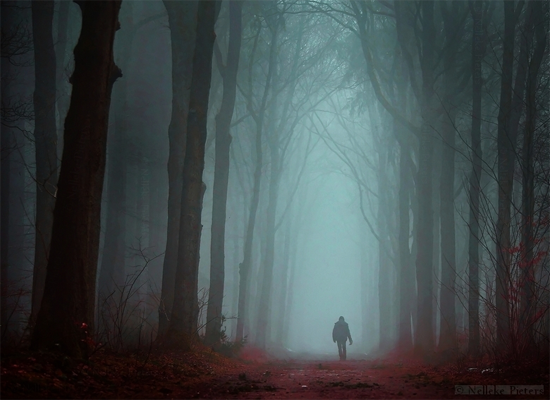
[340,332]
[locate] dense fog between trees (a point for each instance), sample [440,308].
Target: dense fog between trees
[385,161]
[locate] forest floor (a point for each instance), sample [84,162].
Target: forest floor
[206,374]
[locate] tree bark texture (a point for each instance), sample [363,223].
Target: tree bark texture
[69,293]
[221,175]
[45,143]
[182,21]
[185,308]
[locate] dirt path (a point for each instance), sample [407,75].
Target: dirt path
[321,379]
[208,375]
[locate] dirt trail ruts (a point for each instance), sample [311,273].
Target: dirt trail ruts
[321,379]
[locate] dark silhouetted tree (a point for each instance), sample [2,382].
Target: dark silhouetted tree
[45,136]
[221,173]
[66,314]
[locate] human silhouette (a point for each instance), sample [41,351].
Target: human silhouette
[340,333]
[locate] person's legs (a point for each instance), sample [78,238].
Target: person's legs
[344,351]
[340,344]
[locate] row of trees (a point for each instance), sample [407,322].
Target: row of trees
[129,286]
[465,97]
[443,105]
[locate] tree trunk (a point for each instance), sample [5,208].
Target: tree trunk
[5,151]
[18,283]
[384,261]
[281,308]
[69,293]
[221,175]
[447,231]
[63,96]
[510,110]
[504,185]
[183,324]
[157,197]
[245,266]
[528,176]
[290,293]
[264,309]
[405,265]
[475,181]
[45,143]
[424,259]
[182,22]
[5,182]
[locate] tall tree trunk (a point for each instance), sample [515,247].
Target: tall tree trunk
[5,150]
[221,175]
[510,110]
[447,231]
[405,266]
[182,22]
[63,96]
[183,324]
[436,207]
[6,156]
[69,293]
[157,196]
[281,308]
[45,143]
[278,123]
[291,289]
[17,283]
[405,276]
[504,185]
[264,309]
[528,176]
[259,116]
[384,250]
[475,180]
[424,259]
[454,29]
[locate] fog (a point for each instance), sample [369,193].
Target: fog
[311,160]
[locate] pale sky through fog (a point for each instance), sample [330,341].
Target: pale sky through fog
[327,281]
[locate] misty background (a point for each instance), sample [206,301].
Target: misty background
[345,103]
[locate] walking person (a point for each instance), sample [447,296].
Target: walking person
[341,333]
